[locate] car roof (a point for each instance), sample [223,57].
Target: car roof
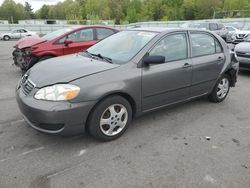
[165,29]
[92,26]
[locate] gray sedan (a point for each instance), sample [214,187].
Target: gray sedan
[123,76]
[243,53]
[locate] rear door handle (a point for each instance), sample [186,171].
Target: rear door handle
[186,65]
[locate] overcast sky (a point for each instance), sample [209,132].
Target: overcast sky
[36,4]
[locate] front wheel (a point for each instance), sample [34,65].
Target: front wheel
[220,90]
[6,38]
[110,118]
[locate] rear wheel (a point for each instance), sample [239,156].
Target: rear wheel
[6,38]
[220,90]
[110,118]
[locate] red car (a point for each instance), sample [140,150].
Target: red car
[28,51]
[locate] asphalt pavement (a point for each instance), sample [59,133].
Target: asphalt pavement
[197,144]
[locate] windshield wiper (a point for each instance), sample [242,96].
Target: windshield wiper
[99,56]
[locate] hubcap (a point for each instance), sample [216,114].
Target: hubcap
[113,119]
[223,88]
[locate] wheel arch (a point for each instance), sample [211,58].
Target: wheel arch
[232,76]
[125,95]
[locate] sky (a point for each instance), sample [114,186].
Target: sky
[36,4]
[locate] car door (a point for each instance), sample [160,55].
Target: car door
[23,32]
[16,34]
[207,61]
[167,83]
[81,40]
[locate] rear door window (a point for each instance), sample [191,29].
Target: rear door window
[103,33]
[202,44]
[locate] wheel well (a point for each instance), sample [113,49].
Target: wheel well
[231,74]
[47,55]
[124,95]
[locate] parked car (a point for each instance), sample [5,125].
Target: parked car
[123,76]
[65,41]
[17,34]
[242,51]
[218,28]
[231,33]
[241,35]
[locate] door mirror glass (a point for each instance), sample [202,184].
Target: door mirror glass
[157,59]
[67,42]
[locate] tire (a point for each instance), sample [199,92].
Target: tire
[6,38]
[220,90]
[116,114]
[34,61]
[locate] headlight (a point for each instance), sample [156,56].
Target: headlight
[59,92]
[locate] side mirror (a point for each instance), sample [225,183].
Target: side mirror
[157,59]
[67,42]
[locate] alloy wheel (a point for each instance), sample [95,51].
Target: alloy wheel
[113,119]
[223,88]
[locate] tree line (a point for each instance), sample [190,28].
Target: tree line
[127,11]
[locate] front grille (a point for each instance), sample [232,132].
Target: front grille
[241,36]
[27,85]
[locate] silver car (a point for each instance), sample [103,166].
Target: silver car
[123,76]
[16,34]
[218,28]
[243,53]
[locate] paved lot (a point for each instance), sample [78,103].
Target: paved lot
[167,148]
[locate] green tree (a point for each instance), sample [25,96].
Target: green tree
[43,13]
[29,11]
[12,11]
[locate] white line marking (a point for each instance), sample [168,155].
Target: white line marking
[22,154]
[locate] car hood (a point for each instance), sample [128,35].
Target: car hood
[243,32]
[66,69]
[29,41]
[242,47]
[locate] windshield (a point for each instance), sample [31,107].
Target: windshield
[123,46]
[56,33]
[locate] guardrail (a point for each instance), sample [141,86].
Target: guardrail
[44,29]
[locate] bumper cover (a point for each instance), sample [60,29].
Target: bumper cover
[244,63]
[59,118]
[22,60]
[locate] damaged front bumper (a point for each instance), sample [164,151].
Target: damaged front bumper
[22,59]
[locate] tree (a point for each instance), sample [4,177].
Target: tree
[12,11]
[29,11]
[43,13]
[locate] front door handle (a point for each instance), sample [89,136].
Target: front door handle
[186,65]
[220,59]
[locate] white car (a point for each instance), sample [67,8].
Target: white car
[241,35]
[16,34]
